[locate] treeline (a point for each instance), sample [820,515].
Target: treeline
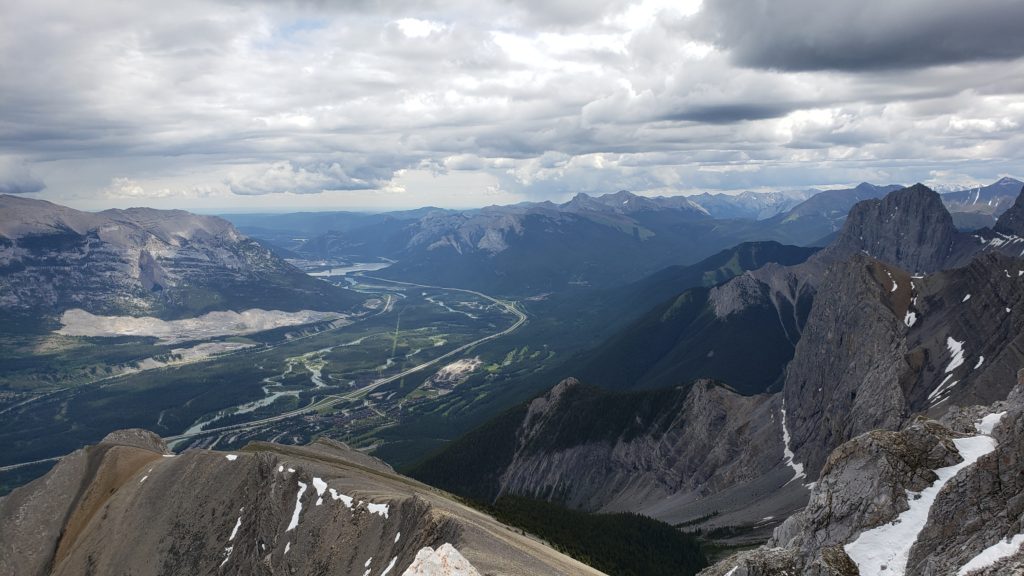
[622,544]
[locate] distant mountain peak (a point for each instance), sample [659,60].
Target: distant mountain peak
[1008,181]
[1012,221]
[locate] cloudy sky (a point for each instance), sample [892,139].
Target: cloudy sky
[356,104]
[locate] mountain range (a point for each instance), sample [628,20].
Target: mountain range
[900,319]
[142,262]
[588,241]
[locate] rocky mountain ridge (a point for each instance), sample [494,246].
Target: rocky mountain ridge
[881,331]
[141,261]
[267,509]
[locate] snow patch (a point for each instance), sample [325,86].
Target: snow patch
[891,279]
[993,554]
[966,298]
[287,547]
[981,359]
[987,424]
[143,479]
[320,486]
[347,500]
[298,507]
[390,566]
[381,509]
[942,388]
[397,536]
[231,457]
[910,319]
[787,454]
[884,550]
[733,571]
[956,352]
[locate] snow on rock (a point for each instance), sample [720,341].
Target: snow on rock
[298,507]
[234,531]
[981,360]
[956,352]
[787,454]
[733,571]
[992,554]
[397,536]
[987,424]
[231,457]
[891,279]
[320,486]
[143,479]
[347,500]
[884,550]
[391,565]
[287,547]
[227,552]
[445,561]
[910,318]
[966,298]
[381,509]
[942,388]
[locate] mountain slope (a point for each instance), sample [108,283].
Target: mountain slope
[931,498]
[170,264]
[658,452]
[991,200]
[872,345]
[268,509]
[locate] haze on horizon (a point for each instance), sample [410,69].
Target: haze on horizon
[247,106]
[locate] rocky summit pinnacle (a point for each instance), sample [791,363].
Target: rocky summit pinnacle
[909,228]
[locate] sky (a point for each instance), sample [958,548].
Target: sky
[218,105]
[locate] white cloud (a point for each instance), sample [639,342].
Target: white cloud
[332,101]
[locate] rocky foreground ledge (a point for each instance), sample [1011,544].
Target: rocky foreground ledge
[130,506]
[932,498]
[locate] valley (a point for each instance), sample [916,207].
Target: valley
[351,378]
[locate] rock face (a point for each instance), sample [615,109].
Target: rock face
[673,445]
[909,228]
[844,376]
[166,263]
[267,509]
[699,451]
[973,525]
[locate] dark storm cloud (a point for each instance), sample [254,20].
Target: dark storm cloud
[864,35]
[731,113]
